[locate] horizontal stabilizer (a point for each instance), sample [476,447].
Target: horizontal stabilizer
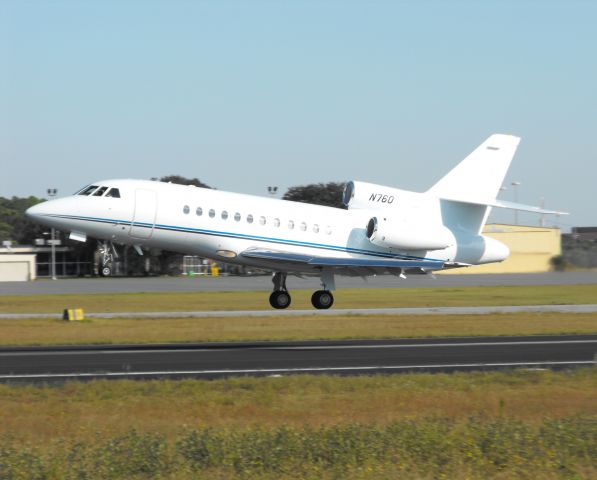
[339,262]
[504,204]
[525,208]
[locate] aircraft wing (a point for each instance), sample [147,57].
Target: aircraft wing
[340,262]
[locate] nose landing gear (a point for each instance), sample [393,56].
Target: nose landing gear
[107,253]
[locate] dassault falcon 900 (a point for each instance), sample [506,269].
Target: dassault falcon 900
[383,229]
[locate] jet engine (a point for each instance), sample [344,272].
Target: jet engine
[368,195]
[402,235]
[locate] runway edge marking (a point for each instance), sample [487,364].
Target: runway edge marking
[291,370]
[481,310]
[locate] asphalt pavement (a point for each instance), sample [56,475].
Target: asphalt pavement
[217,360]
[590,308]
[263,283]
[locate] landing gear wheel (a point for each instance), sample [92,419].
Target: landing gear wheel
[106,271]
[279,299]
[322,299]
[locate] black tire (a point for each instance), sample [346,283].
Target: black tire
[322,299]
[106,271]
[279,299]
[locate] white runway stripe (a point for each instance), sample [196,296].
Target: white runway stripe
[278,371]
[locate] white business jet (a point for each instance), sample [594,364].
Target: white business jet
[383,230]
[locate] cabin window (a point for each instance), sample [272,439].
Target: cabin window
[113,192]
[198,211]
[237,217]
[224,215]
[276,222]
[186,209]
[262,220]
[328,230]
[88,190]
[290,224]
[303,226]
[316,228]
[249,218]
[100,191]
[212,213]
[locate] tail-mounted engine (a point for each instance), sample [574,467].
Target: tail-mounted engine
[401,235]
[369,195]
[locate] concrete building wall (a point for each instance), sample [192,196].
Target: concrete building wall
[531,249]
[17,267]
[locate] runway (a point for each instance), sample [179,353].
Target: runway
[591,308]
[264,283]
[217,360]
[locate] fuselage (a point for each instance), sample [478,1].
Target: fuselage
[383,230]
[221,225]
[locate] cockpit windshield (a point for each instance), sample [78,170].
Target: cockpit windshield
[88,190]
[100,191]
[113,192]
[97,191]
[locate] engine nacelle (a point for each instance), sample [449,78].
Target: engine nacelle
[369,195]
[386,233]
[481,249]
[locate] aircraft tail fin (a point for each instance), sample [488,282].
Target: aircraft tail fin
[471,187]
[479,176]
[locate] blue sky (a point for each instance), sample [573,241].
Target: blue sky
[248,94]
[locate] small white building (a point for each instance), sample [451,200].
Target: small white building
[17,267]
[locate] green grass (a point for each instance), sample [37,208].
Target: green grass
[123,330]
[468,425]
[433,448]
[345,298]
[142,330]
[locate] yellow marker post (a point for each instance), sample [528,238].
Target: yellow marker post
[73,314]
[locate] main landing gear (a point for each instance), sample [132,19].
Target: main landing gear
[321,299]
[280,298]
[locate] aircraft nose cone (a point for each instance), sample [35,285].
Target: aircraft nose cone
[34,212]
[44,212]
[53,213]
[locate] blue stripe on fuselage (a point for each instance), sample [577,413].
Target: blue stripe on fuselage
[242,236]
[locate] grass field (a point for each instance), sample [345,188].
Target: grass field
[128,330]
[81,410]
[123,330]
[467,425]
[499,425]
[346,298]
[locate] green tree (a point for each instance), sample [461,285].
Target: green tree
[183,181]
[328,194]
[14,225]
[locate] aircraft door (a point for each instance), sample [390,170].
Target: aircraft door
[146,205]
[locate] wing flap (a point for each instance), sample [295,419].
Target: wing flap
[340,262]
[276,255]
[374,262]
